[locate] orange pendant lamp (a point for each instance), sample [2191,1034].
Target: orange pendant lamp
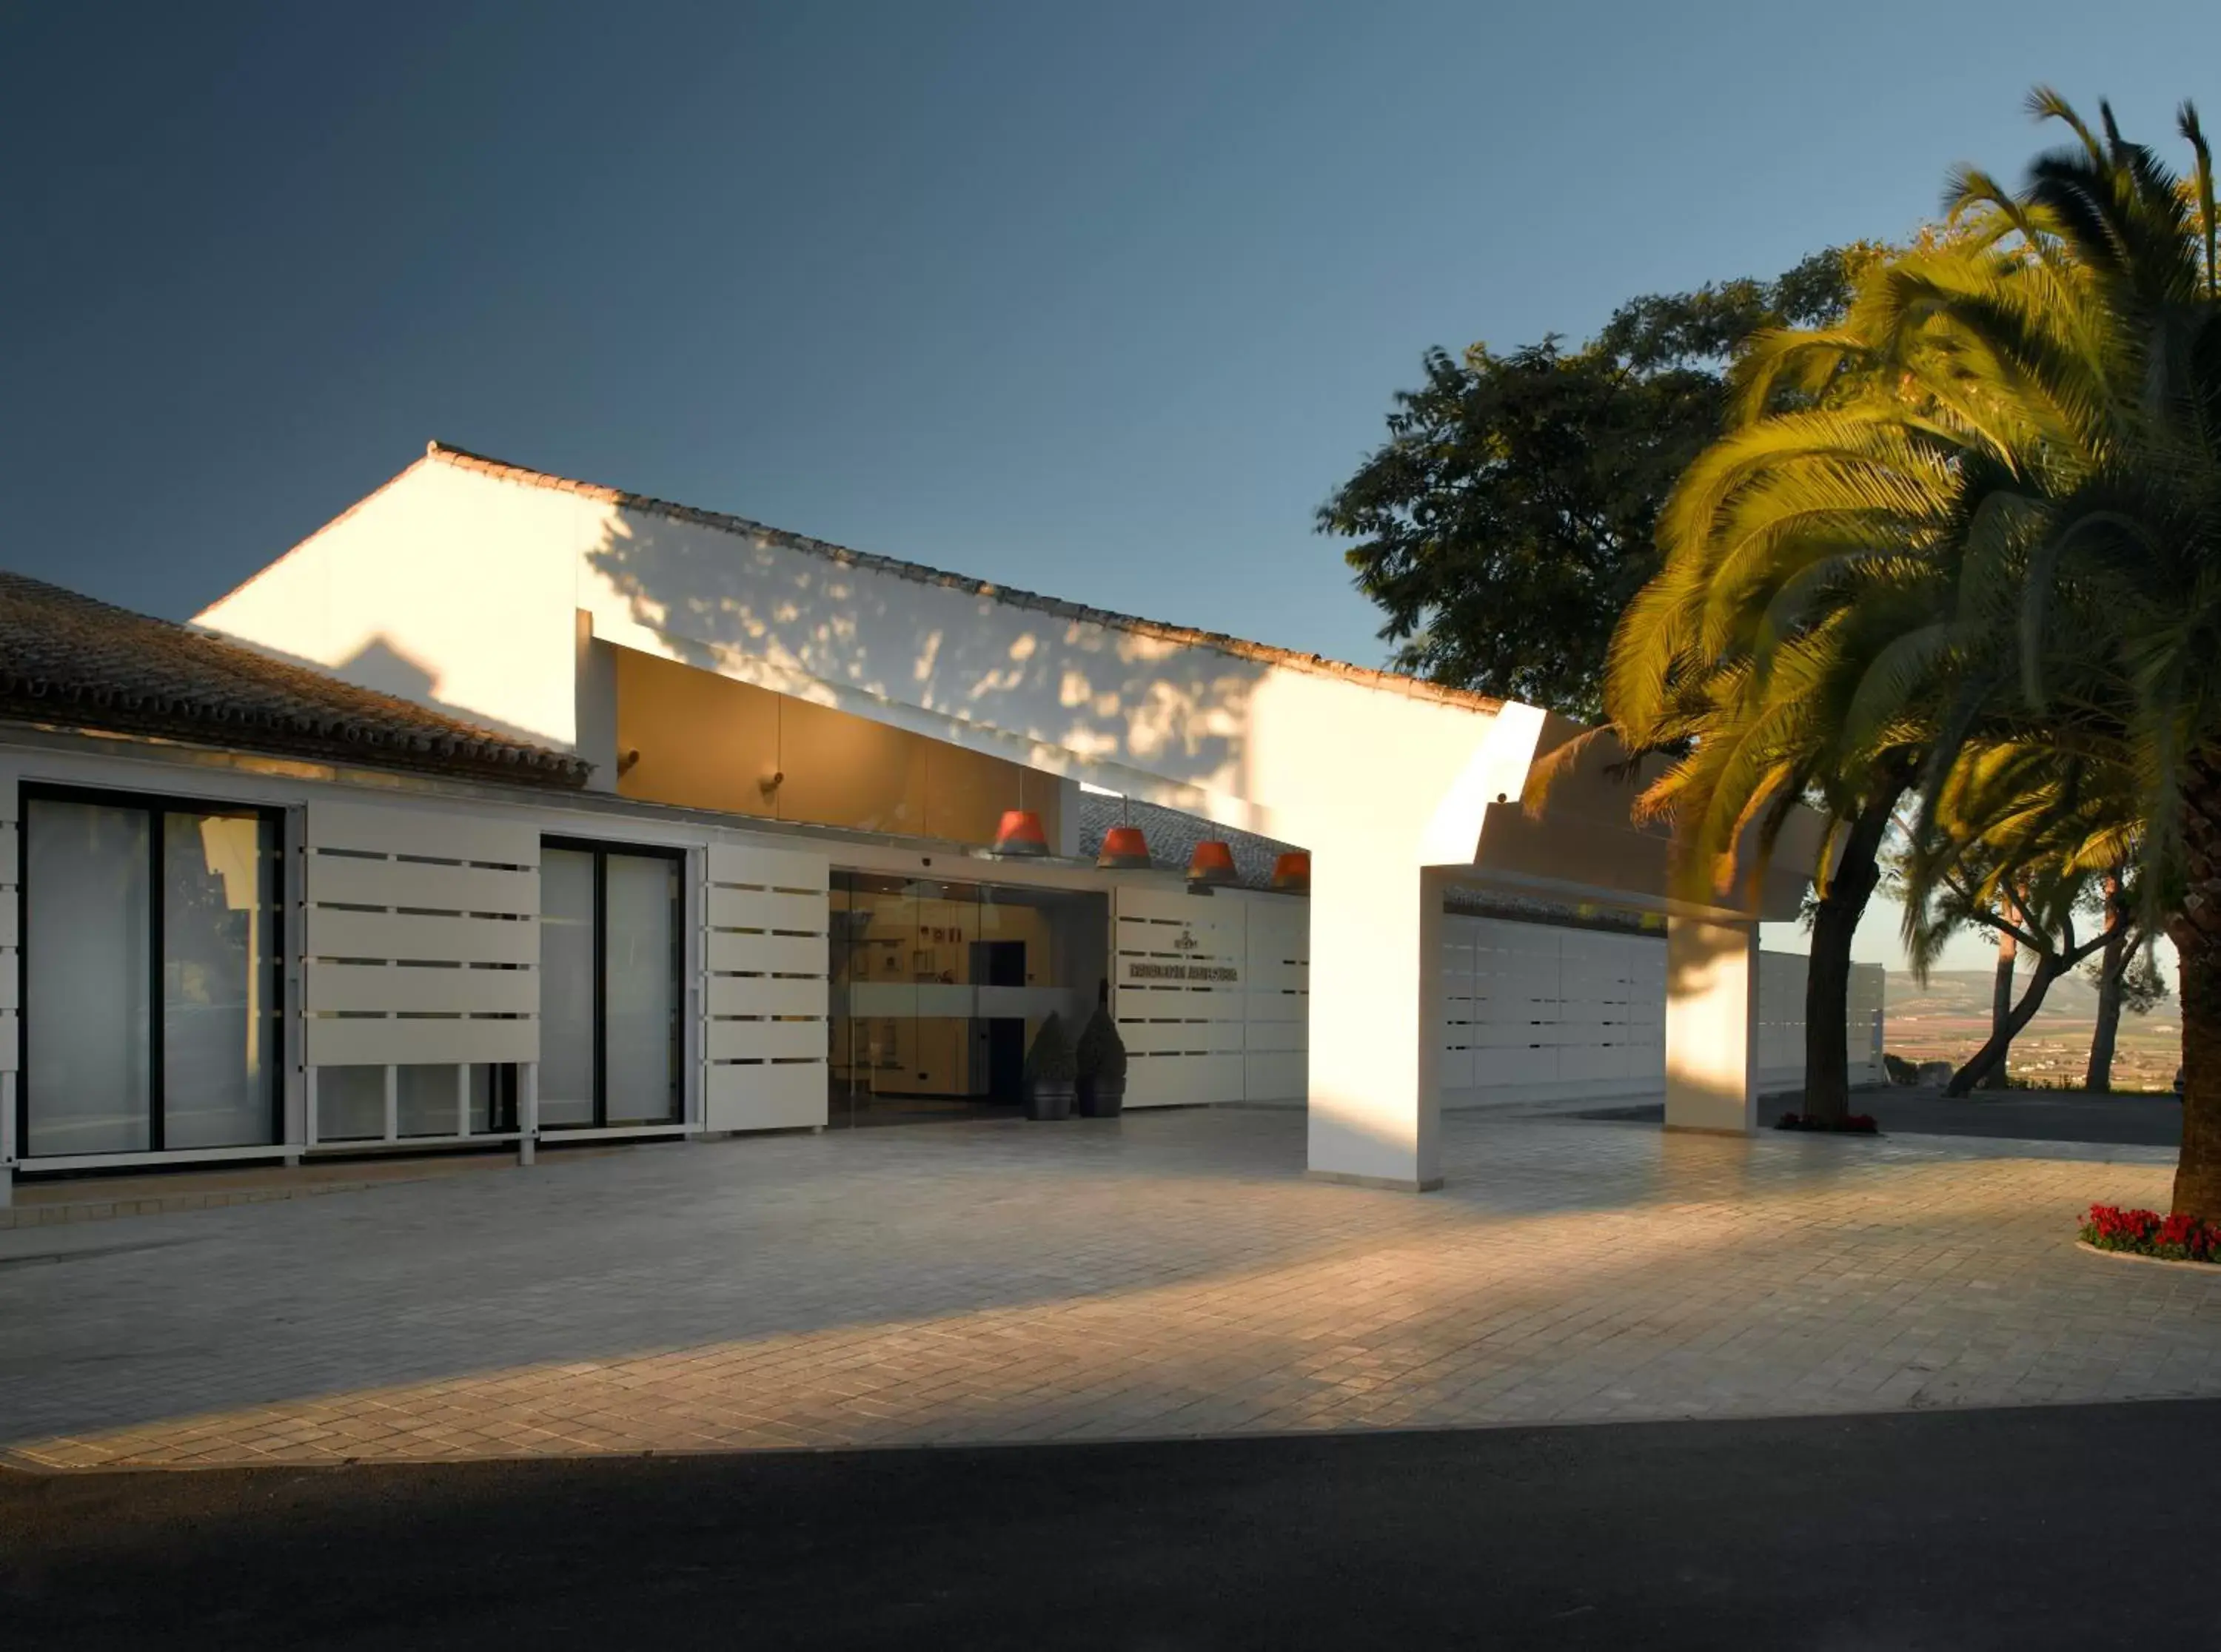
[1213,863]
[1292,871]
[1124,850]
[1021,833]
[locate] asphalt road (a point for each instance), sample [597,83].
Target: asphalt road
[2052,1527]
[2017,1115]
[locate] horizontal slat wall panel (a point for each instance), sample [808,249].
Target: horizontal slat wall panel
[766,952]
[430,834]
[468,895]
[766,996]
[334,932]
[405,987]
[733,952]
[1185,1034]
[11,998]
[346,880]
[768,1096]
[767,1040]
[1536,1011]
[1275,1075]
[403,1040]
[749,866]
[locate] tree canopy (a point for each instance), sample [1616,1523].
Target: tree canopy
[1511,514]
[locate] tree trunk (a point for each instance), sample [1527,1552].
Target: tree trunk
[1990,1057]
[2195,929]
[1827,970]
[2114,964]
[2197,1167]
[2001,1007]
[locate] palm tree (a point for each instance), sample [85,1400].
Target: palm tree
[2081,345]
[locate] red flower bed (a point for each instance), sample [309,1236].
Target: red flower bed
[2146,1232]
[1857,1124]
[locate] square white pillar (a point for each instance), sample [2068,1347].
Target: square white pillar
[1711,1025]
[1375,1102]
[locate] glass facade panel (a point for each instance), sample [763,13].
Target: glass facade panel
[639,1047]
[939,986]
[427,1100]
[220,984]
[566,987]
[88,931]
[350,1104]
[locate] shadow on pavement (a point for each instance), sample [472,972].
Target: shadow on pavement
[2011,1115]
[1961,1530]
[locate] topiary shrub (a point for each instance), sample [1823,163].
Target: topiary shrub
[1102,1053]
[1050,1060]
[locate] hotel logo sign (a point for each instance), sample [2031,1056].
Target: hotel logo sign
[1186,968]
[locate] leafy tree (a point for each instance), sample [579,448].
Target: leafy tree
[1512,513]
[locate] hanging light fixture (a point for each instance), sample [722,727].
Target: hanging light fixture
[1124,850]
[1213,864]
[1021,833]
[1292,871]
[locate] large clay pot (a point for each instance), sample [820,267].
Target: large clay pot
[1102,1098]
[1049,1099]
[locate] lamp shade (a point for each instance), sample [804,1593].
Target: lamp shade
[1292,871]
[1124,850]
[1021,833]
[1213,862]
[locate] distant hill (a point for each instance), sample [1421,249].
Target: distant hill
[1946,1018]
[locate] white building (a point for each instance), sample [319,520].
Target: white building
[507,808]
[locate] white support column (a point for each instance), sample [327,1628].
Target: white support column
[1711,1025]
[528,1111]
[7,1140]
[1375,1103]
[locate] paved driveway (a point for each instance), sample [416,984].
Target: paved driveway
[1170,1274]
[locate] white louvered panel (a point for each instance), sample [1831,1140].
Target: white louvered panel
[427,832]
[334,932]
[766,995]
[802,914]
[766,1040]
[730,908]
[766,1096]
[11,1041]
[1274,1075]
[402,989]
[405,1040]
[352,880]
[769,869]
[730,953]
[11,998]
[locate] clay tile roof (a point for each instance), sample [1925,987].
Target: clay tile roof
[66,659]
[1316,665]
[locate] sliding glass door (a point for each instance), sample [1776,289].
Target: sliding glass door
[611,954]
[152,979]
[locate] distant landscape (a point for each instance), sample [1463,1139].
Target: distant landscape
[1948,1019]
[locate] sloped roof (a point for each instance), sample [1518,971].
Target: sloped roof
[1172,837]
[1396,682]
[67,658]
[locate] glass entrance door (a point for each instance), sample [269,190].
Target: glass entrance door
[611,960]
[939,988]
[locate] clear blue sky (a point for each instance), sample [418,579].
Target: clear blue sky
[1096,299]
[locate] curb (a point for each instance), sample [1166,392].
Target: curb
[2212,1268]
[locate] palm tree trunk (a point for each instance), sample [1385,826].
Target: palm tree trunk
[1995,1077]
[1990,1057]
[2196,931]
[2113,964]
[1827,970]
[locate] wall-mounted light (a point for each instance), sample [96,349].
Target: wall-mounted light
[626,759]
[772,782]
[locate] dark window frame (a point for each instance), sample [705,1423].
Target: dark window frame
[600,850]
[156,804]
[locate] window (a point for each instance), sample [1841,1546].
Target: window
[611,954]
[152,979]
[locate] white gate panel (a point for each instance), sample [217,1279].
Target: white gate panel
[766,951]
[1179,963]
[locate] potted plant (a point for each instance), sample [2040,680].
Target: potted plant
[1049,1072]
[1101,1059]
